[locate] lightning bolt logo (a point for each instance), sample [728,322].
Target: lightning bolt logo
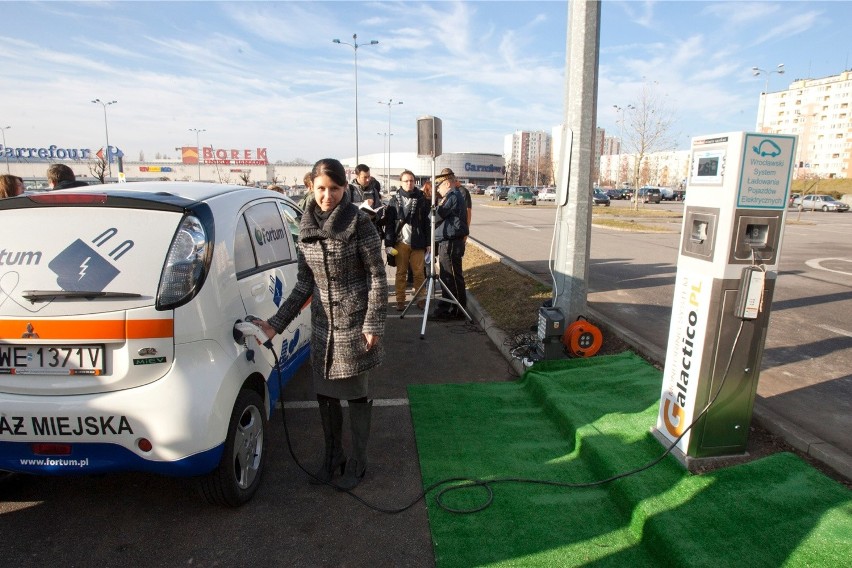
[83,267]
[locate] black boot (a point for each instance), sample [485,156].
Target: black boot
[332,428]
[359,421]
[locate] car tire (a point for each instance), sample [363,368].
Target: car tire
[533,202]
[825,208]
[237,477]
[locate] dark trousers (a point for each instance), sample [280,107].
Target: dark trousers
[450,255]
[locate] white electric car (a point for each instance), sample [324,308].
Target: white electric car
[118,306]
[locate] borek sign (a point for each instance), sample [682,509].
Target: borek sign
[235,157]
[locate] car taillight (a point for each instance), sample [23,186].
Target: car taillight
[186,265]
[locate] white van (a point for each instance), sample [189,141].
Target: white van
[117,347]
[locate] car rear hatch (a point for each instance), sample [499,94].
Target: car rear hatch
[79,277]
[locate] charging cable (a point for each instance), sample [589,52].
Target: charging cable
[470,482]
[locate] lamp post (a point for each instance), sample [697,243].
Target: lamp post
[355,45]
[620,142]
[390,103]
[3,129]
[198,147]
[384,154]
[106,129]
[757,71]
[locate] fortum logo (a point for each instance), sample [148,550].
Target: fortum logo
[263,236]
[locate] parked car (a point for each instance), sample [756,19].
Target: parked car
[118,345]
[501,193]
[490,189]
[667,194]
[599,197]
[795,199]
[614,193]
[546,194]
[822,202]
[520,195]
[650,194]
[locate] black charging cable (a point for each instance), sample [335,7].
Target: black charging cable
[487,484]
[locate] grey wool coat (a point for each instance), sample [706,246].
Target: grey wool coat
[342,267]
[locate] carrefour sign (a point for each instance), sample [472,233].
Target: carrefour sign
[491,168]
[52,152]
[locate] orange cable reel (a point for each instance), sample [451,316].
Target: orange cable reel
[582,338]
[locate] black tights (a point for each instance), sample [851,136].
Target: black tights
[329,399]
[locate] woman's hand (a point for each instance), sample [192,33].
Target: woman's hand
[372,340]
[266,328]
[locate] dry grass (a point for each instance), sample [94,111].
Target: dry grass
[511,299]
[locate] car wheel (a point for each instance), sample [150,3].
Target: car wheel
[825,208]
[237,477]
[533,201]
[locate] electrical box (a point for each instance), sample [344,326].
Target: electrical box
[736,202]
[551,327]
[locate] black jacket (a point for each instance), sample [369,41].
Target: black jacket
[452,215]
[416,216]
[66,184]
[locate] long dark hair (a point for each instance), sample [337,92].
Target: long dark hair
[331,168]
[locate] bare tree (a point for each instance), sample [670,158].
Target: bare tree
[246,178]
[98,169]
[648,129]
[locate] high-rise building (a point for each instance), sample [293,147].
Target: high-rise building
[528,158]
[818,111]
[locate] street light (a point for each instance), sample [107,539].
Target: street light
[106,129]
[757,71]
[3,129]
[390,103]
[198,147]
[620,142]
[355,45]
[384,154]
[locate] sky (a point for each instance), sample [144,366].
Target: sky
[268,75]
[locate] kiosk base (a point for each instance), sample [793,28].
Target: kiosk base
[699,465]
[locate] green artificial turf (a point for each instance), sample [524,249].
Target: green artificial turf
[581,420]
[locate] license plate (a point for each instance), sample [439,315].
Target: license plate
[51,359]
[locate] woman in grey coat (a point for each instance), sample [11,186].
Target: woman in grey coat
[342,271]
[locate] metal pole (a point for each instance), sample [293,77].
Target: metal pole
[387,171]
[574,214]
[355,45]
[757,71]
[3,129]
[620,142]
[198,147]
[106,129]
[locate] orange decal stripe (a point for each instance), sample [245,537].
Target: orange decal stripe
[87,330]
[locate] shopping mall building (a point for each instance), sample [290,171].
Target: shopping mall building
[244,166]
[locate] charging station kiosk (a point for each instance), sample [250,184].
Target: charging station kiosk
[733,223]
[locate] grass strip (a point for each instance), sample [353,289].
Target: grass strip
[586,419]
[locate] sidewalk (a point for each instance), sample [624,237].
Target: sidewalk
[790,430]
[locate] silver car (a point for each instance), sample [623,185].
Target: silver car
[821,202]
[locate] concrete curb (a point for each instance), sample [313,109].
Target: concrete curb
[795,435]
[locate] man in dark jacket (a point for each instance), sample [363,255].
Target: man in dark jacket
[371,190]
[407,230]
[367,190]
[450,232]
[60,176]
